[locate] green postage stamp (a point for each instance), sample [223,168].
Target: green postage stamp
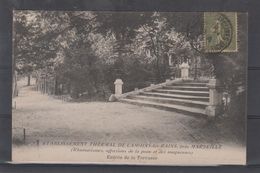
[220,31]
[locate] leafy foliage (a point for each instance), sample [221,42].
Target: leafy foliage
[87,51]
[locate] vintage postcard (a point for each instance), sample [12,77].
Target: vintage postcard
[141,88]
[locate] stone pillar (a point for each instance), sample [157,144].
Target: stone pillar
[215,98]
[118,86]
[184,70]
[170,60]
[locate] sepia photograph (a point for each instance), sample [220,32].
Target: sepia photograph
[142,88]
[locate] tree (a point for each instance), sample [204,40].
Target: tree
[122,27]
[162,42]
[22,42]
[131,46]
[34,44]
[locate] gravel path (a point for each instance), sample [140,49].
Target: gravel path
[45,118]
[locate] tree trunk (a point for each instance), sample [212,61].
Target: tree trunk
[29,80]
[15,90]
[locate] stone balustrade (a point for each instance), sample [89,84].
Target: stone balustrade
[215,98]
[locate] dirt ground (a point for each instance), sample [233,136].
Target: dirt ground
[46,118]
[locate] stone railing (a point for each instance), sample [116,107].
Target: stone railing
[213,109]
[215,98]
[118,88]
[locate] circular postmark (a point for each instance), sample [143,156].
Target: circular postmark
[219,33]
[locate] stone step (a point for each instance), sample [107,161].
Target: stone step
[182,92]
[170,107]
[189,88]
[199,81]
[199,84]
[165,95]
[184,102]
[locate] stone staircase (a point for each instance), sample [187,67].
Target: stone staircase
[186,97]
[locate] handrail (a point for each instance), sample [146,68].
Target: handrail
[152,87]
